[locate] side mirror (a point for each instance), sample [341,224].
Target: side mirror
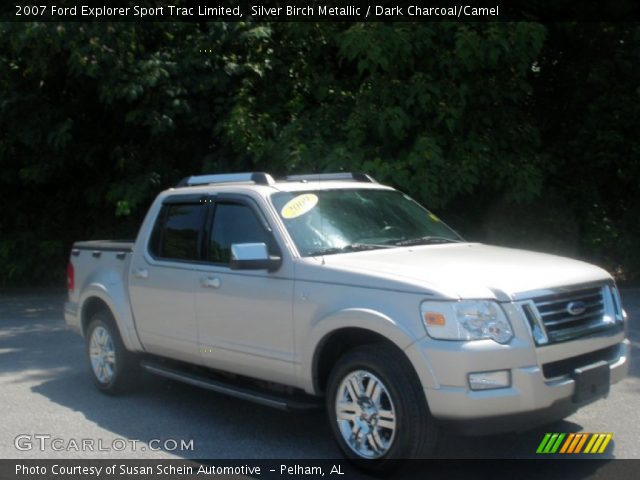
[253,256]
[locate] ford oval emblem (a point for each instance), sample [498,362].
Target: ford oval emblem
[576,308]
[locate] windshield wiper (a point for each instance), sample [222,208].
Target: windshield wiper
[426,240]
[352,247]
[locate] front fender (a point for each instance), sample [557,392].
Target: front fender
[362,318]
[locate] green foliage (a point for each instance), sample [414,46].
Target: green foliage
[588,108]
[428,107]
[96,118]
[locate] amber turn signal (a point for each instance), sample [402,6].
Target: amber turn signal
[433,319]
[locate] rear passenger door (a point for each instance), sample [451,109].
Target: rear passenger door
[244,316]
[164,276]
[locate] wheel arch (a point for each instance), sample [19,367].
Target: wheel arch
[90,307]
[333,334]
[338,342]
[96,298]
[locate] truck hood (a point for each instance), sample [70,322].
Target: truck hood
[467,270]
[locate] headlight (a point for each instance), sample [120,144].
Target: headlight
[466,320]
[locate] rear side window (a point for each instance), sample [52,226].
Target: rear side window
[176,235]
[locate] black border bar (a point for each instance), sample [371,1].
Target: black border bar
[308,469]
[321,10]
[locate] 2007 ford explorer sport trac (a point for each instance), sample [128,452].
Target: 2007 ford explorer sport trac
[334,288]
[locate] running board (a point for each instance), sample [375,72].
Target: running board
[282,402]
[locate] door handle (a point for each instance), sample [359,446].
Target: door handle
[141,273]
[210,282]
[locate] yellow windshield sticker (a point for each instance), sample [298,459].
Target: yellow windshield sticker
[299,205]
[433,217]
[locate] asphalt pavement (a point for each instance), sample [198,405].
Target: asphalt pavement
[50,409]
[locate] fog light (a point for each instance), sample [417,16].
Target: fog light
[490,380]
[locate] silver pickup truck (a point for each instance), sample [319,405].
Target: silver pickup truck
[333,288]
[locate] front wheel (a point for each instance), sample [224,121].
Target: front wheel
[377,408]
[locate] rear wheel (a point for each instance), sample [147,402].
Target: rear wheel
[377,408]
[113,368]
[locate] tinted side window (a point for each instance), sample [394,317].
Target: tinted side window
[176,234]
[234,223]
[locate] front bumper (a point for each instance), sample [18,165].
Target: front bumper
[532,399]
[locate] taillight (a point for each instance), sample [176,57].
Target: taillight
[70,277]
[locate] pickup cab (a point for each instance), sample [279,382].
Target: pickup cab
[333,289]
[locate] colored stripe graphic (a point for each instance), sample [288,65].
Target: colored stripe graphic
[557,444]
[600,443]
[574,443]
[550,443]
[605,443]
[567,443]
[581,442]
[590,444]
[543,443]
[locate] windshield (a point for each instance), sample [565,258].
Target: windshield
[323,222]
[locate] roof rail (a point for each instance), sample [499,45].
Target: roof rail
[259,178]
[324,177]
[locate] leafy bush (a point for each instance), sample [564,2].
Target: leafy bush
[508,128]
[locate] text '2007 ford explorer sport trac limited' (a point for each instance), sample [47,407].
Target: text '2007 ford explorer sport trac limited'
[334,286]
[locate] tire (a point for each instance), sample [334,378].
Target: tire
[113,368]
[390,421]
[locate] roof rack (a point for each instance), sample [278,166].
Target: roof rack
[259,178]
[327,177]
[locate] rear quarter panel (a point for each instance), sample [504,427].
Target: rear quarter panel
[106,278]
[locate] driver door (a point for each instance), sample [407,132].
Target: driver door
[244,317]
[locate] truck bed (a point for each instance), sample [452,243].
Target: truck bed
[99,263]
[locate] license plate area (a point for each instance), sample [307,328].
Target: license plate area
[592,382]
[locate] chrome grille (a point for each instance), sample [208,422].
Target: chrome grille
[570,313]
